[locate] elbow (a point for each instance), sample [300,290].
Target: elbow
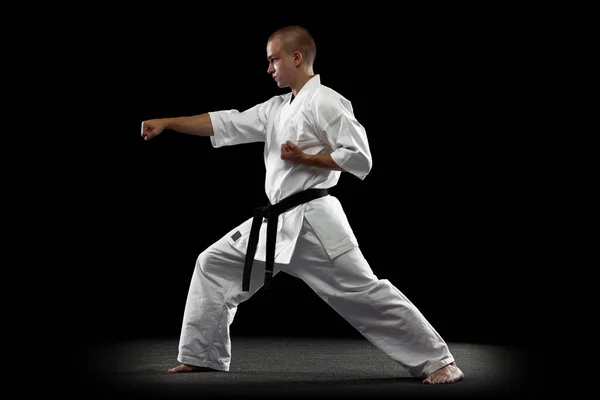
[366,164]
[359,165]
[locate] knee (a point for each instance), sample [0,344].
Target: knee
[205,260]
[213,260]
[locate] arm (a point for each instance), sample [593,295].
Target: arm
[320,160]
[336,125]
[292,152]
[225,127]
[199,125]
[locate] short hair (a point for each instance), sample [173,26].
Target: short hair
[296,38]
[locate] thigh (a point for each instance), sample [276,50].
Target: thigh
[221,255]
[223,260]
[349,271]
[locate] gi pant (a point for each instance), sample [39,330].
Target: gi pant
[378,310]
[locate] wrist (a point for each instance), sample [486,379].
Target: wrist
[306,159]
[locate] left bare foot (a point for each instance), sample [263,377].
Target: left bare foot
[448,374]
[189,368]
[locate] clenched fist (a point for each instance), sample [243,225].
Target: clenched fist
[152,128]
[291,152]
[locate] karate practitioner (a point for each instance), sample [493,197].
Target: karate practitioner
[310,137]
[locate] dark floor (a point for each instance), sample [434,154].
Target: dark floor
[293,367]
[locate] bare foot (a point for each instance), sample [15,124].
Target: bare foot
[448,374]
[190,368]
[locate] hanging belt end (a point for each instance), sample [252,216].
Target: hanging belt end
[245,285]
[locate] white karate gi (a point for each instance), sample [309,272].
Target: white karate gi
[315,242]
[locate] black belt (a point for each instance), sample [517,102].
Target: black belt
[271,213]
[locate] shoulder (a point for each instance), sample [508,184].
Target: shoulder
[326,103]
[272,103]
[326,96]
[276,99]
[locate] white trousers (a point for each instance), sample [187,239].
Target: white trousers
[377,309]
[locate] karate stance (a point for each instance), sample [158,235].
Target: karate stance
[311,136]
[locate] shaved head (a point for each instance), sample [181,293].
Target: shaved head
[296,38]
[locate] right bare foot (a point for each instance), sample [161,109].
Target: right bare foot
[190,368]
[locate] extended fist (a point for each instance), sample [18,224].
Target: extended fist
[291,152]
[152,128]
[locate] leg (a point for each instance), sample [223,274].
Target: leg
[375,308]
[215,292]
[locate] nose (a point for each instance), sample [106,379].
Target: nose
[270,69]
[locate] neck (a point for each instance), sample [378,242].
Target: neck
[300,82]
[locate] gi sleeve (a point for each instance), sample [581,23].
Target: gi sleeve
[231,127]
[338,127]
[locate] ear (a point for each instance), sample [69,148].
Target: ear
[297,58]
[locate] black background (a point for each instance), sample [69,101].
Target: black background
[441,214]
